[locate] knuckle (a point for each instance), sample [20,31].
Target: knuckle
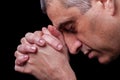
[39,33]
[36,32]
[27,35]
[21,47]
[31,61]
[15,54]
[22,40]
[18,47]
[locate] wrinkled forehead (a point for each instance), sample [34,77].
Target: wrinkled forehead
[58,13]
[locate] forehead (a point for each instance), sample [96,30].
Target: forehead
[58,13]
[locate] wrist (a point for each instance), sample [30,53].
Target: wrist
[67,73]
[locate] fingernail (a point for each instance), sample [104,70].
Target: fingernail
[42,42]
[44,29]
[33,48]
[25,57]
[59,47]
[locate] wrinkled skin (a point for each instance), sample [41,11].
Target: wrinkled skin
[38,58]
[47,64]
[97,29]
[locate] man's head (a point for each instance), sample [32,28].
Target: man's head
[94,23]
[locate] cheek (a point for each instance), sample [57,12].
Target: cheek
[98,36]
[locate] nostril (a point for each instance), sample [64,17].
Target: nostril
[78,50]
[74,50]
[78,45]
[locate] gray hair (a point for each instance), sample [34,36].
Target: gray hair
[43,6]
[83,5]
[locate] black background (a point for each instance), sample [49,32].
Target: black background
[22,16]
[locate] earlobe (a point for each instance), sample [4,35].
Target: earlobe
[109,6]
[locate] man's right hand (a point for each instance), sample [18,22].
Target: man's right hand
[41,59]
[29,42]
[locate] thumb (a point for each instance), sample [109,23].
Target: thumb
[56,33]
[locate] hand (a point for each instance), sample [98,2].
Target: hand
[47,60]
[53,34]
[48,64]
[36,38]
[27,47]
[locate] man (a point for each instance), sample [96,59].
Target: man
[91,26]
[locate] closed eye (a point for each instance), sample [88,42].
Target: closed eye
[68,27]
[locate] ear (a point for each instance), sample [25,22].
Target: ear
[109,6]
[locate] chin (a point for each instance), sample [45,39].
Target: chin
[104,60]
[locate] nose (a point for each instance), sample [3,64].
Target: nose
[72,42]
[74,47]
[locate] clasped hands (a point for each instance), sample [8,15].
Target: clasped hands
[44,55]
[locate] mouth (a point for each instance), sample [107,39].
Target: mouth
[88,51]
[85,49]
